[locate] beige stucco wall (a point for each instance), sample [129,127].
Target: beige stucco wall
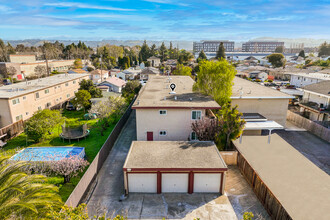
[22,58]
[177,124]
[61,66]
[5,116]
[28,103]
[272,109]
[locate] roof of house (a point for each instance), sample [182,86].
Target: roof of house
[150,70]
[97,72]
[22,88]
[77,71]
[174,154]
[321,88]
[245,89]
[156,94]
[321,76]
[153,58]
[251,58]
[114,81]
[298,184]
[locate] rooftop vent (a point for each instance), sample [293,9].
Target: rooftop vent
[190,99]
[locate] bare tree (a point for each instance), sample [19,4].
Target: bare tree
[206,129]
[40,71]
[11,71]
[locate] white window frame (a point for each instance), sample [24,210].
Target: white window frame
[66,84]
[196,115]
[163,111]
[24,97]
[46,91]
[68,95]
[37,94]
[39,108]
[162,131]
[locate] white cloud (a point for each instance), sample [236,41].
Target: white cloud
[6,10]
[88,6]
[115,16]
[166,2]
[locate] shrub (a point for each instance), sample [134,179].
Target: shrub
[41,122]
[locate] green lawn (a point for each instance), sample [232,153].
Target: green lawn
[92,144]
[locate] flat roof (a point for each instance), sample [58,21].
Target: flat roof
[301,187]
[322,76]
[19,89]
[174,154]
[156,94]
[261,125]
[245,89]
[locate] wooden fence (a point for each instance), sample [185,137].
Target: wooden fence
[12,130]
[85,182]
[230,157]
[309,125]
[266,197]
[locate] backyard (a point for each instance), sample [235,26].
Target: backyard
[91,143]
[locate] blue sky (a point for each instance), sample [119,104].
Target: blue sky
[163,19]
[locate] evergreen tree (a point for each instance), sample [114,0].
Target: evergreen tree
[302,54]
[201,56]
[221,52]
[145,51]
[163,52]
[324,49]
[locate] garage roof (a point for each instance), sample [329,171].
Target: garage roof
[174,154]
[301,187]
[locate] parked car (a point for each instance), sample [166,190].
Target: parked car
[70,107]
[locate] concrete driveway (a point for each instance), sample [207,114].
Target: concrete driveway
[311,146]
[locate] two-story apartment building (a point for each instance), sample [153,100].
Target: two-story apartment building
[164,115]
[19,101]
[315,103]
[304,79]
[254,98]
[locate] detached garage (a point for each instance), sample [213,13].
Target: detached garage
[174,167]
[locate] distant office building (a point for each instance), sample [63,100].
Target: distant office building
[213,46]
[254,46]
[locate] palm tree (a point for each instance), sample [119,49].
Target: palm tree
[22,195]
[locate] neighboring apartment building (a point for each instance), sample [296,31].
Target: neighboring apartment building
[163,115]
[19,101]
[25,65]
[255,46]
[213,46]
[315,103]
[304,79]
[154,61]
[254,98]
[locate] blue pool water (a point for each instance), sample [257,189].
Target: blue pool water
[48,153]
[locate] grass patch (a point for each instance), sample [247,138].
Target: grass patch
[92,144]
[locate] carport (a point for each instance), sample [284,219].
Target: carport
[174,167]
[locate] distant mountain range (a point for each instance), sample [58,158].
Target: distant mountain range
[188,45]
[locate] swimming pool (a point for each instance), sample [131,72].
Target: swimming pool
[48,153]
